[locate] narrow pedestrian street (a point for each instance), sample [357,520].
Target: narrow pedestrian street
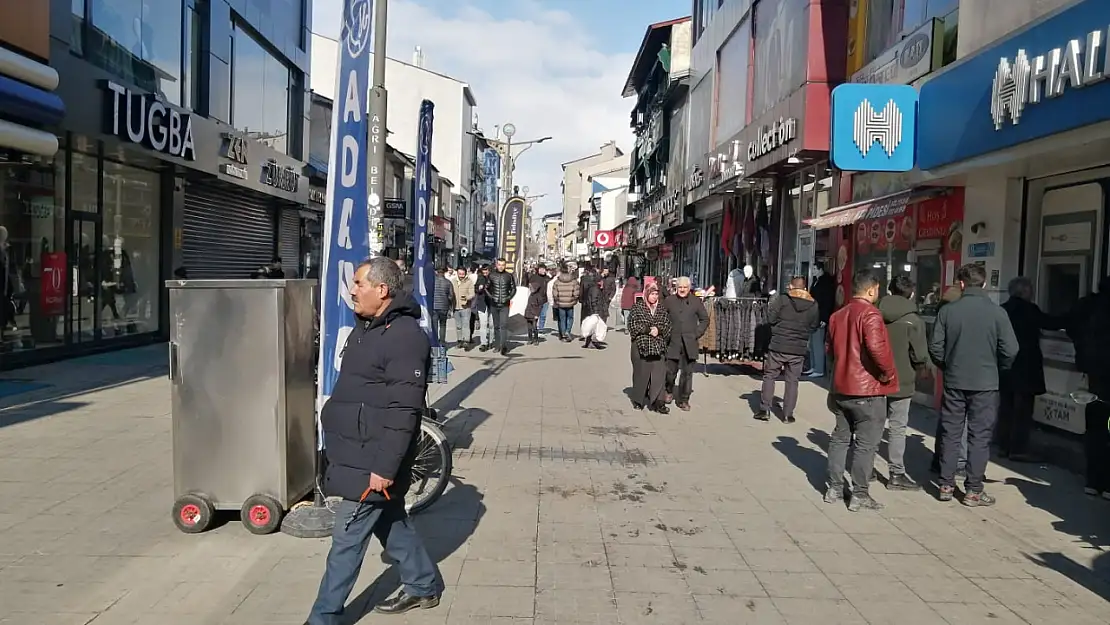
[567,507]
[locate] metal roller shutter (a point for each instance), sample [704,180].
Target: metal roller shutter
[227,233]
[289,242]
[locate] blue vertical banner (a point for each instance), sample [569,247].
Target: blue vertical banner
[346,236]
[423,270]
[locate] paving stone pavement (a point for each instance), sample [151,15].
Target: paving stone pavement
[568,507]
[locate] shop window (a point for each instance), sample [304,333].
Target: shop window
[260,87]
[140,41]
[129,269]
[780,51]
[191,93]
[917,12]
[882,32]
[951,35]
[32,259]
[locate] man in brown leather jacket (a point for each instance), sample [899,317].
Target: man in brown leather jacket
[864,373]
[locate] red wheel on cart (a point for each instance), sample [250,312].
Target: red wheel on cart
[193,514]
[261,514]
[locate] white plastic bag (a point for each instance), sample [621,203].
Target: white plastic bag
[594,326]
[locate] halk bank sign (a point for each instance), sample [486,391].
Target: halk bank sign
[1047,79]
[346,224]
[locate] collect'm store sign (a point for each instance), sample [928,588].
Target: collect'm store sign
[1047,79]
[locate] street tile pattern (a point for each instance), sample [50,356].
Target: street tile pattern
[567,507]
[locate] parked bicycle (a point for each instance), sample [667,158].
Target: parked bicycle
[431,472]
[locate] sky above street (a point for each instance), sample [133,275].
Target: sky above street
[551,67]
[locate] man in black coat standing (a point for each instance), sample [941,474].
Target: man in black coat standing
[370,425]
[793,317]
[689,320]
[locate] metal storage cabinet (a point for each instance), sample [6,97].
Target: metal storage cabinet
[241,362]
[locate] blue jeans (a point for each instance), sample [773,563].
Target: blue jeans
[565,317]
[543,316]
[817,352]
[394,529]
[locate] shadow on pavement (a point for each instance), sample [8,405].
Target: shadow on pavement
[811,461]
[1085,518]
[38,410]
[444,527]
[1095,579]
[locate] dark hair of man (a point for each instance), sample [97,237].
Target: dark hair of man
[384,270]
[863,281]
[902,286]
[797,282]
[972,275]
[500,260]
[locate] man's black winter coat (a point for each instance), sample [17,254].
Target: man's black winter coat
[793,317]
[372,420]
[502,288]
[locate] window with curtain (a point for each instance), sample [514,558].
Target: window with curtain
[140,41]
[260,87]
[781,40]
[732,93]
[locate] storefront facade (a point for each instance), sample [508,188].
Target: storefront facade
[1024,122]
[143,188]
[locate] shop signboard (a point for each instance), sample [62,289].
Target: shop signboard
[489,235]
[906,61]
[146,120]
[394,209]
[52,295]
[605,239]
[772,137]
[1056,407]
[1043,80]
[873,127]
[346,237]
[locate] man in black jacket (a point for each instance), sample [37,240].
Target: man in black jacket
[501,289]
[689,320]
[793,317]
[370,425]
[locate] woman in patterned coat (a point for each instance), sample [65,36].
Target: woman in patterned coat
[649,326]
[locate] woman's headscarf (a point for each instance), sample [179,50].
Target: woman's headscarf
[653,287]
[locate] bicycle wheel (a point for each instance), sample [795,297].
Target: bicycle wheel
[432,469]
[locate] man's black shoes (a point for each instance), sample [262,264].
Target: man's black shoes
[403,603]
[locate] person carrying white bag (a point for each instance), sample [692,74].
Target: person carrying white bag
[594,312]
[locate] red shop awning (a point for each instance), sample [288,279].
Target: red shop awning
[884,206]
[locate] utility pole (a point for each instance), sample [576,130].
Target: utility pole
[377,128]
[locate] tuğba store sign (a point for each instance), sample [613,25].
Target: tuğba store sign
[144,119]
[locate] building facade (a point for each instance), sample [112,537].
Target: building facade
[575,193]
[456,119]
[181,152]
[659,82]
[1021,122]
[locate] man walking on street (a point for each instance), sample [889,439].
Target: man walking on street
[911,354]
[1087,328]
[972,340]
[483,309]
[443,304]
[863,375]
[566,293]
[824,293]
[689,320]
[793,316]
[464,296]
[370,424]
[501,289]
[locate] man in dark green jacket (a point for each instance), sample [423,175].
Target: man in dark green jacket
[972,340]
[911,354]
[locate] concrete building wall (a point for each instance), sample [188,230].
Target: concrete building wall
[572,190]
[985,21]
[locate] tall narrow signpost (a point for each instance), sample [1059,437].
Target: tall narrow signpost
[377,140]
[346,239]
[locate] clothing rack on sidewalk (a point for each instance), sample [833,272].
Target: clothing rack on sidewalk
[738,332]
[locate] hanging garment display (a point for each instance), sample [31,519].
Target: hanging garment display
[741,328]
